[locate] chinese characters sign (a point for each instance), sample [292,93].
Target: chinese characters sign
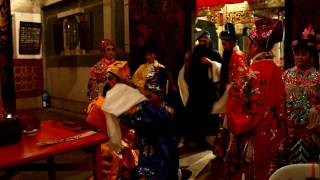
[29,38]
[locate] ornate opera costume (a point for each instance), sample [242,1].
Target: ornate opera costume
[234,66]
[158,155]
[234,62]
[116,165]
[256,115]
[140,76]
[303,99]
[99,70]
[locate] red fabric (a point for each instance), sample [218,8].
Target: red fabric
[262,122]
[237,66]
[95,115]
[210,3]
[267,32]
[28,76]
[268,81]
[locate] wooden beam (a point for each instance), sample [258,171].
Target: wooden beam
[6,62]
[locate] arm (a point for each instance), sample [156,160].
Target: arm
[237,67]
[138,78]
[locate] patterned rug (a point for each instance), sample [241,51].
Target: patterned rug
[28,76]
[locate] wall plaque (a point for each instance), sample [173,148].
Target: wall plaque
[29,38]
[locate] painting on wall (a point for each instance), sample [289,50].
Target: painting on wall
[29,38]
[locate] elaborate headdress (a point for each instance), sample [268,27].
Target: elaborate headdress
[307,39]
[119,69]
[266,33]
[203,34]
[228,33]
[104,43]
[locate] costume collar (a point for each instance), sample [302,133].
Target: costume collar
[108,61]
[266,55]
[236,48]
[297,69]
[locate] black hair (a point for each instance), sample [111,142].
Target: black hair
[200,51]
[224,73]
[229,33]
[309,45]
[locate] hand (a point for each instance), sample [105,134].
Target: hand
[313,118]
[205,60]
[187,57]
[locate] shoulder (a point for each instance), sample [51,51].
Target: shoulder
[238,54]
[215,52]
[99,67]
[287,72]
[238,58]
[141,67]
[158,64]
[215,56]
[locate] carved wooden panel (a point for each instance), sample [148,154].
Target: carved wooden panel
[161,23]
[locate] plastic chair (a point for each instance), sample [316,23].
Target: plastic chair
[297,172]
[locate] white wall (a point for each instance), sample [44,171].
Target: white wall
[30,11]
[27,6]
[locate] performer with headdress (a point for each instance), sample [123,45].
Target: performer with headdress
[197,79]
[204,38]
[146,114]
[99,70]
[140,76]
[234,66]
[201,95]
[256,109]
[234,61]
[302,83]
[116,164]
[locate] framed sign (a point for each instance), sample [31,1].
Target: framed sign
[29,38]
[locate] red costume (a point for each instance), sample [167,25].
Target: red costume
[116,165]
[237,65]
[256,115]
[99,70]
[303,101]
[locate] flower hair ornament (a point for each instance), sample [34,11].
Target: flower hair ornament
[308,38]
[308,32]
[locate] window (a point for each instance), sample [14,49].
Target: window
[72,34]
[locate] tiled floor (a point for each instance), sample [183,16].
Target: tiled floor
[201,163]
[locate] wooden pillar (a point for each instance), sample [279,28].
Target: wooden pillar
[288,55]
[189,16]
[6,62]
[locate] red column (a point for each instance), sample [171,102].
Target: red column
[6,62]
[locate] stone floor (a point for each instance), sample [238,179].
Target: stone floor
[201,163]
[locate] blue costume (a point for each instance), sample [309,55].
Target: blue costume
[158,152]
